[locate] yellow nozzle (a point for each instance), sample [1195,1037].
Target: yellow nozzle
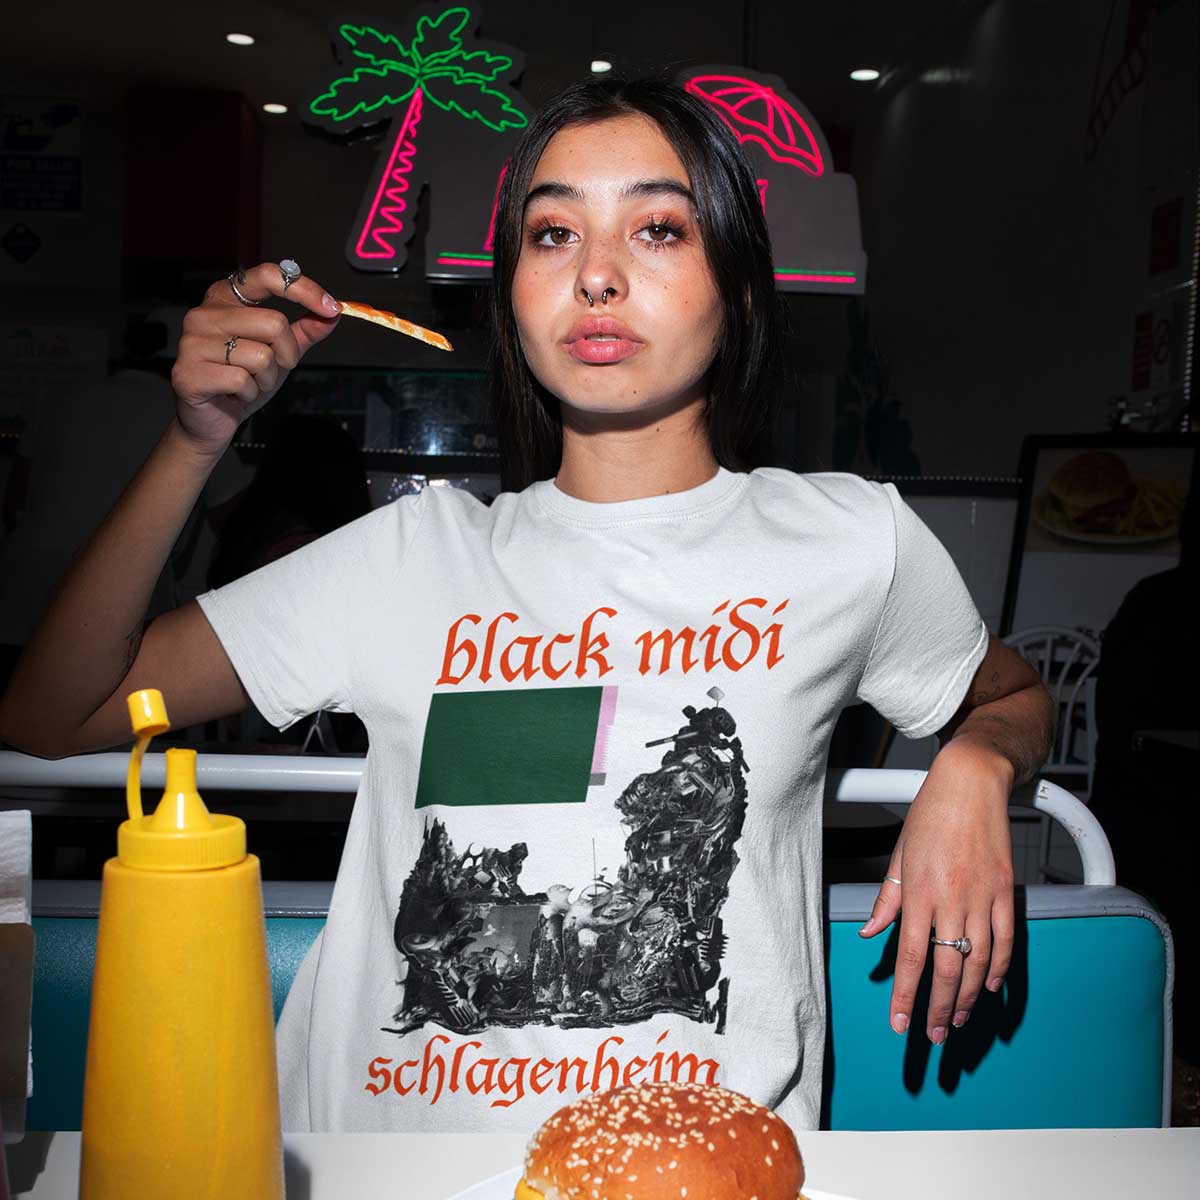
[148,713]
[182,835]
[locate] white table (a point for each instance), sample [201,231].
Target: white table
[1052,1164]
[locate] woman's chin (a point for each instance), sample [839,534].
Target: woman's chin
[613,408]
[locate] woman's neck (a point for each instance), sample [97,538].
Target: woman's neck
[609,457]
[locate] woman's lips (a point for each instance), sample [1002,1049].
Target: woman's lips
[590,350]
[601,340]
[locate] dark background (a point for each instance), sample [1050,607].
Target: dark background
[1010,162]
[1027,177]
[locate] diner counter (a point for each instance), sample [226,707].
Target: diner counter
[1052,1164]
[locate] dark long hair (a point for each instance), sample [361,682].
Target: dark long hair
[741,397]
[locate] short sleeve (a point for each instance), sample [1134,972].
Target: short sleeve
[930,638]
[292,629]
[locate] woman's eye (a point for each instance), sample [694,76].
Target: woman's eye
[555,235]
[659,233]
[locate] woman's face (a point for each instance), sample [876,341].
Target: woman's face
[610,215]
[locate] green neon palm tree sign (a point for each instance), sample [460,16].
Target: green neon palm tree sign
[384,74]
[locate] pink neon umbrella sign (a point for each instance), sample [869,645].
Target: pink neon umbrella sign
[757,113]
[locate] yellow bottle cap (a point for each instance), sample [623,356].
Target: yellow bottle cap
[181,835]
[148,713]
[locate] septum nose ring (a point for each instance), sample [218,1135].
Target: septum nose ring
[603,296]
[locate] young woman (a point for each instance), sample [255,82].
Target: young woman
[586,847]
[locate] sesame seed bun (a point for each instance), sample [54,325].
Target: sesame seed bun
[663,1141]
[1091,481]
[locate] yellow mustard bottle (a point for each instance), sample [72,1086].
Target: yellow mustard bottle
[180,1095]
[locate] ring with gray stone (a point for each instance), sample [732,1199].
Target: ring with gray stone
[229,345]
[290,270]
[962,944]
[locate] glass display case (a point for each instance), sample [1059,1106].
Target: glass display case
[414,427]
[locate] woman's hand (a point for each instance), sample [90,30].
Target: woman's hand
[214,392]
[954,861]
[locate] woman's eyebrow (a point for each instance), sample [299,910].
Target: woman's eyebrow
[554,190]
[656,187]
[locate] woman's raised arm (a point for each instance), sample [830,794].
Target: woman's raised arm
[67,692]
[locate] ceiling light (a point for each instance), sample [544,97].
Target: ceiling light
[275,109]
[239,39]
[600,65]
[864,75]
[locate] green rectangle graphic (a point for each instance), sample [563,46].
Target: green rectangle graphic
[530,746]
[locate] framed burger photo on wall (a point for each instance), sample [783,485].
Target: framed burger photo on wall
[1096,515]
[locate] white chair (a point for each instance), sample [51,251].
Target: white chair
[1066,660]
[314,773]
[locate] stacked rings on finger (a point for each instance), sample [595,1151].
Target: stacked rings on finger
[962,944]
[229,345]
[290,269]
[236,277]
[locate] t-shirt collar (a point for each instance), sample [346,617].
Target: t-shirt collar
[605,514]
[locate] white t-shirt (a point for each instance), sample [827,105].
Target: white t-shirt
[587,846]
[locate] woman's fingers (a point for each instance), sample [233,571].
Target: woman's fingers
[958,979]
[916,917]
[975,968]
[947,975]
[220,322]
[265,281]
[1003,935]
[887,904]
[253,357]
[217,380]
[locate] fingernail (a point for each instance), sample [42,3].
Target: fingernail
[994,985]
[865,927]
[899,1022]
[938,1036]
[330,303]
[960,1019]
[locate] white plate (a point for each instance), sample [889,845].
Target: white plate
[502,1187]
[1053,524]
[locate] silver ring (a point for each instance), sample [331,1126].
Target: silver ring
[604,294]
[588,294]
[290,269]
[236,277]
[892,879]
[229,345]
[962,944]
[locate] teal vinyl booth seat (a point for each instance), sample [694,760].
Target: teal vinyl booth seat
[1079,1037]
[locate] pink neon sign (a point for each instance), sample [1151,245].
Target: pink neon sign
[384,219]
[815,277]
[488,244]
[757,113]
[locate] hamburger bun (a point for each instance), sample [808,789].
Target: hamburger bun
[663,1141]
[1092,490]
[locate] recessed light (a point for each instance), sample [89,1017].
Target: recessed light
[239,39]
[275,109]
[864,75]
[600,65]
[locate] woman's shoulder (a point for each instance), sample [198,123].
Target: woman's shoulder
[818,491]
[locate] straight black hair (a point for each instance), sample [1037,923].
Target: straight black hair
[739,411]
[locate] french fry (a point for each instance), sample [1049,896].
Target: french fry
[389,320]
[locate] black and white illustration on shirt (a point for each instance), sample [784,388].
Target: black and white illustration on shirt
[481,951]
